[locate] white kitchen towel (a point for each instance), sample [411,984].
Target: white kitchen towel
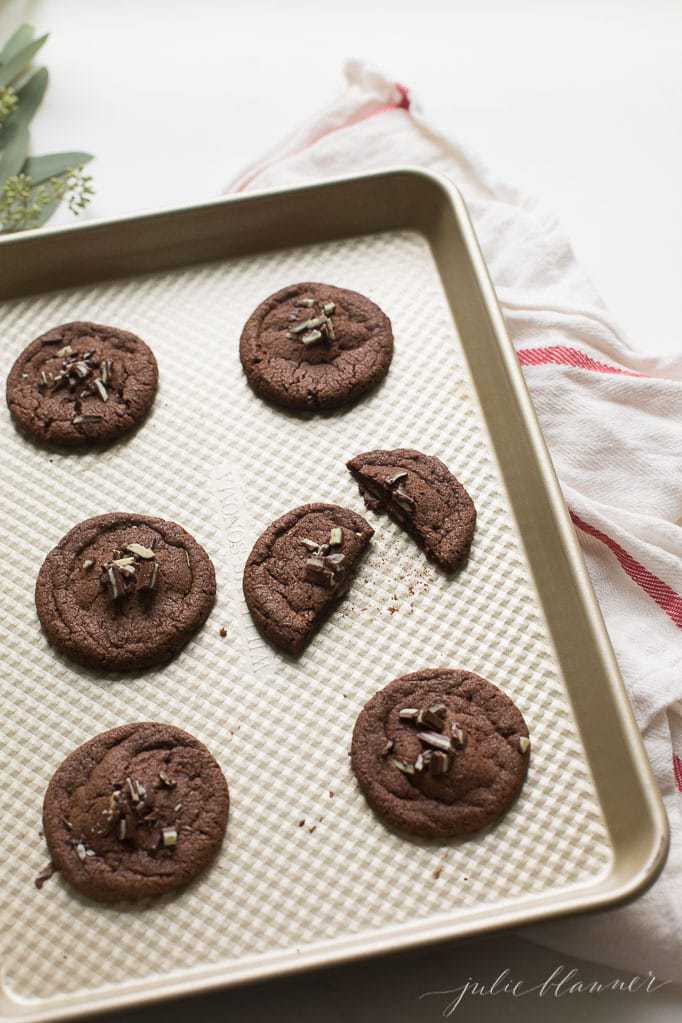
[613,420]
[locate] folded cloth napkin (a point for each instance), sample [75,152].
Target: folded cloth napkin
[612,418]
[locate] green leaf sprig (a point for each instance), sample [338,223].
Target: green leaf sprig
[24,204]
[8,101]
[31,188]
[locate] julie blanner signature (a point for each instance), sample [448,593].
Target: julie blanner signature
[561,982]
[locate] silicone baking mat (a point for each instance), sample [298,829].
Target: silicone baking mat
[305,860]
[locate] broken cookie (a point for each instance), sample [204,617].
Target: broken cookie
[420,493]
[300,568]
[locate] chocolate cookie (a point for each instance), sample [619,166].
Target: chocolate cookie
[121,592]
[82,384]
[135,812]
[440,753]
[313,346]
[300,568]
[423,497]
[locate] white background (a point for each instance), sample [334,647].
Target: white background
[578,101]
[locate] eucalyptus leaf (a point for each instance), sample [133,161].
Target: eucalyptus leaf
[52,165]
[21,38]
[30,96]
[21,80]
[20,60]
[14,155]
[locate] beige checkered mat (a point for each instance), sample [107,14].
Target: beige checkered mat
[224,464]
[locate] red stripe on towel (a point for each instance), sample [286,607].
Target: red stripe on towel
[401,103]
[559,355]
[677,768]
[665,597]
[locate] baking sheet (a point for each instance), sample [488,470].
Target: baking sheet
[224,464]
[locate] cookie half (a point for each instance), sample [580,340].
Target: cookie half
[135,812]
[121,592]
[300,568]
[420,493]
[314,346]
[82,384]
[440,753]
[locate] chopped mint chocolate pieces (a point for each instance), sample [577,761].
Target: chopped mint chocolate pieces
[169,836]
[316,328]
[440,763]
[429,718]
[436,740]
[137,571]
[312,337]
[408,714]
[140,550]
[458,736]
[396,477]
[436,757]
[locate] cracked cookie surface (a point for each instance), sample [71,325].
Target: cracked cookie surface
[300,568]
[107,606]
[82,384]
[314,346]
[420,493]
[135,812]
[452,791]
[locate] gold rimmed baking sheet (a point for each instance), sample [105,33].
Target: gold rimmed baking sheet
[224,464]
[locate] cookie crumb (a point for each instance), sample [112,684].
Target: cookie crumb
[301,823]
[439,869]
[45,875]
[331,793]
[222,632]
